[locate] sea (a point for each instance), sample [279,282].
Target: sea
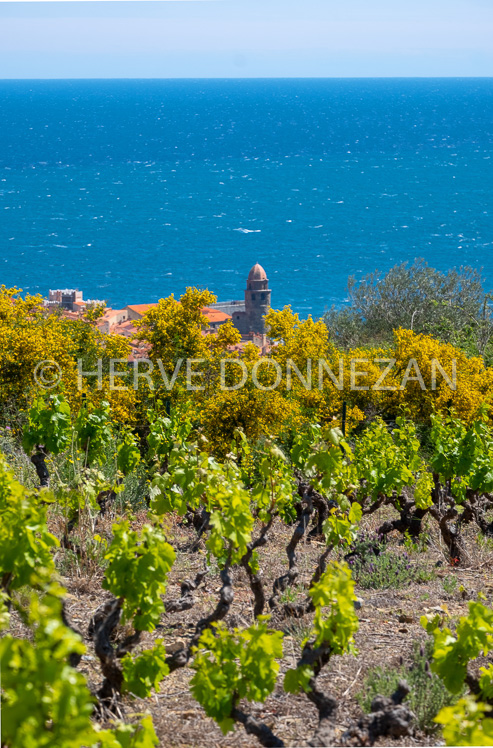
[131,190]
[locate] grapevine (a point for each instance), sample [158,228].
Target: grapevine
[316,492]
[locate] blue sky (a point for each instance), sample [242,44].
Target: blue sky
[246,38]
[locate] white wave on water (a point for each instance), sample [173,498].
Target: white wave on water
[249,231]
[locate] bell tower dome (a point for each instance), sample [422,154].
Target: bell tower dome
[257,299]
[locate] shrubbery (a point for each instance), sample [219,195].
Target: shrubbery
[232,465]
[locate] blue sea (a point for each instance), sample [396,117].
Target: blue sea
[132,190]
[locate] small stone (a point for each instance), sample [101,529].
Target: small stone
[405,619]
[358,603]
[175,646]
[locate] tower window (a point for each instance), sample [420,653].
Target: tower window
[253,297]
[262,296]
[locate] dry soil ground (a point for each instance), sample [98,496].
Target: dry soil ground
[389,624]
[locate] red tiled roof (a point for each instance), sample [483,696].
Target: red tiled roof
[126,328]
[214,315]
[108,312]
[141,308]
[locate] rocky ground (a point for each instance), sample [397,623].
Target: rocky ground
[389,625]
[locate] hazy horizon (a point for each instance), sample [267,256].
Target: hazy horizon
[216,39]
[253,77]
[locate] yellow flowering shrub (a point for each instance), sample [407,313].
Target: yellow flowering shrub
[304,378]
[255,412]
[473,381]
[174,328]
[417,374]
[37,343]
[310,363]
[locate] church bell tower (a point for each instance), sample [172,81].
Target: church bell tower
[257,299]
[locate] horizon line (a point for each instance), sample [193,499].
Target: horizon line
[256,77]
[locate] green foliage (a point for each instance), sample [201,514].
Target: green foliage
[291,594]
[48,424]
[486,682]
[304,444]
[463,455]
[335,591]
[195,478]
[427,696]
[82,500]
[94,431]
[95,312]
[273,492]
[452,653]
[141,735]
[134,490]
[167,432]
[25,543]
[231,522]
[45,702]
[423,490]
[230,666]
[146,671]
[452,306]
[251,484]
[333,628]
[4,612]
[387,462]
[138,566]
[185,482]
[324,458]
[328,466]
[298,679]
[128,454]
[340,528]
[466,723]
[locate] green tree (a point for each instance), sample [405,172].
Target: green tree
[452,306]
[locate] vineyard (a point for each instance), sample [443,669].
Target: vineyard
[271,564]
[333,593]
